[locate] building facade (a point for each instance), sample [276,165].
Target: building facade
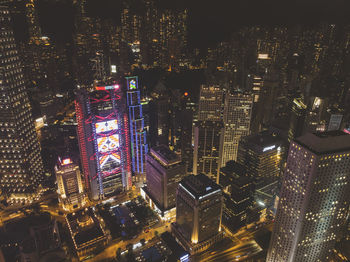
[21,167]
[103,132]
[262,155]
[138,143]
[314,200]
[297,119]
[207,148]
[69,184]
[237,117]
[199,204]
[164,171]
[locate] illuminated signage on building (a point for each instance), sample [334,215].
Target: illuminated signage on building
[107,87]
[113,68]
[269,148]
[132,84]
[106,126]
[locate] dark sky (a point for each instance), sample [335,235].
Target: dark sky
[210,21]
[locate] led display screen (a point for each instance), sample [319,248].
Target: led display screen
[109,143]
[106,126]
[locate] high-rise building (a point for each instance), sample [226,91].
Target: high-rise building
[164,171]
[21,167]
[208,132]
[139,147]
[238,198]
[237,117]
[70,187]
[262,155]
[314,199]
[199,205]
[210,103]
[297,119]
[207,148]
[103,132]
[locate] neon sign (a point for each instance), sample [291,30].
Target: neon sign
[106,144]
[107,87]
[269,148]
[132,84]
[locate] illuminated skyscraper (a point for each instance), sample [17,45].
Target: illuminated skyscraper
[297,119]
[70,187]
[21,167]
[139,146]
[237,116]
[262,155]
[314,200]
[207,148]
[199,204]
[103,132]
[208,132]
[210,103]
[164,171]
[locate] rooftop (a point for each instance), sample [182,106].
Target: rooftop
[199,186]
[163,154]
[265,141]
[325,142]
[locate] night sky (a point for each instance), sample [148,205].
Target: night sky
[210,21]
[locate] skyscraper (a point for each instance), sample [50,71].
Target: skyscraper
[103,133]
[199,204]
[21,167]
[210,103]
[207,148]
[70,186]
[138,141]
[262,155]
[237,117]
[208,132]
[297,119]
[164,171]
[314,200]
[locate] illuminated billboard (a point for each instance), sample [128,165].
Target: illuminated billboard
[112,161]
[106,126]
[132,84]
[106,144]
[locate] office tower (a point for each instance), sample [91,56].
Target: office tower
[208,131]
[238,198]
[138,137]
[262,155]
[159,120]
[237,117]
[314,199]
[198,213]
[207,148]
[70,187]
[164,170]
[103,134]
[210,103]
[21,167]
[297,119]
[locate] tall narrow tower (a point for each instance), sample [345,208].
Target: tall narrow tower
[139,147]
[314,201]
[103,134]
[21,167]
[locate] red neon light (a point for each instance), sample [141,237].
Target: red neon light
[81,137]
[346,131]
[104,88]
[127,148]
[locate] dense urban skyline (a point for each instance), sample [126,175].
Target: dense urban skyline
[152,130]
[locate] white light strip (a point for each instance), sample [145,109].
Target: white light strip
[187,191]
[216,191]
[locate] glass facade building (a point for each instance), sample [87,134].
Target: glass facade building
[138,143]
